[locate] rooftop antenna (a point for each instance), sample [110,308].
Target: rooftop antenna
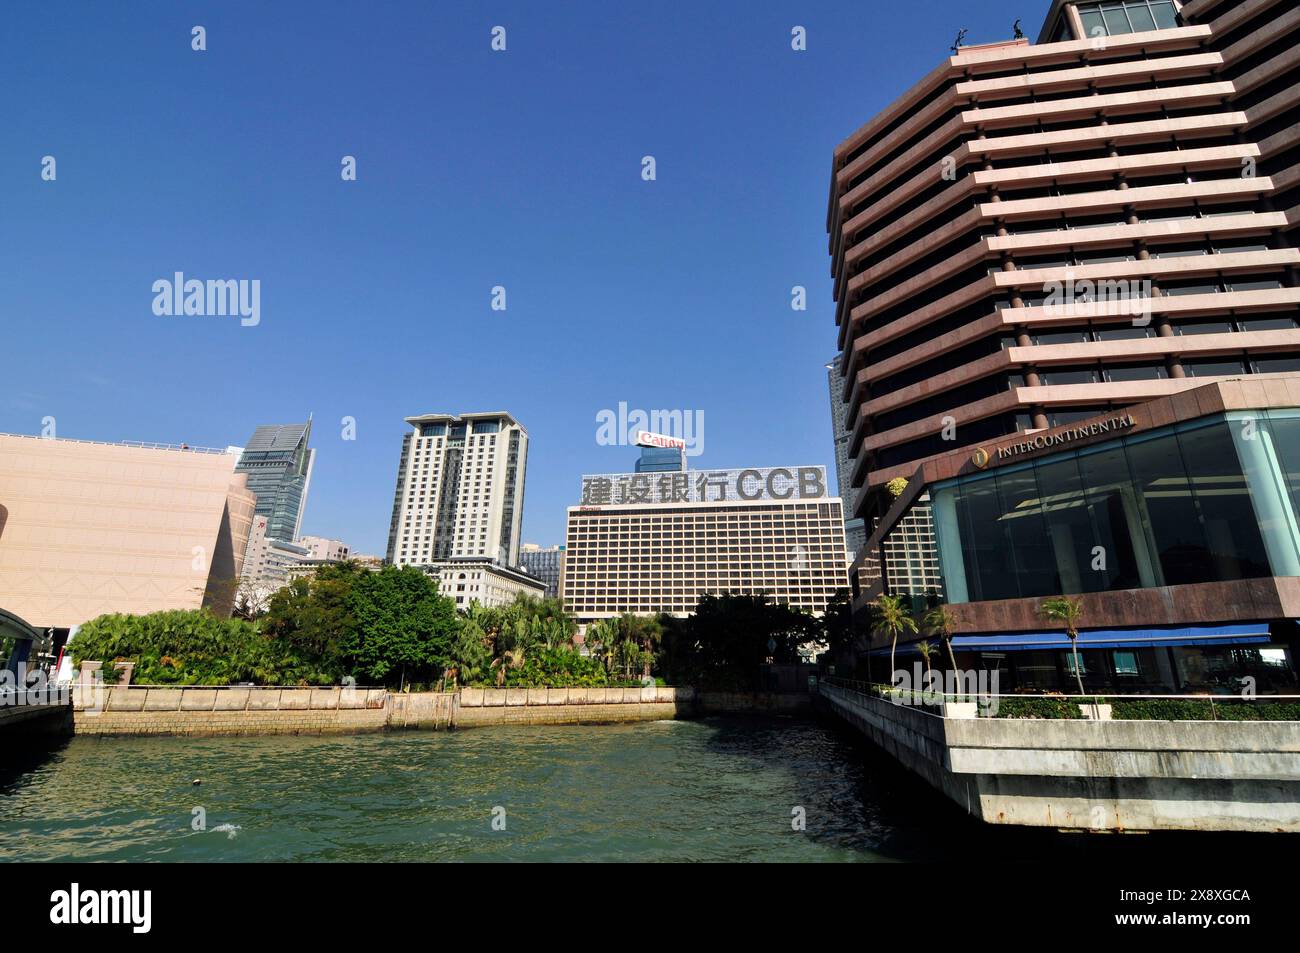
[1020,34]
[956,44]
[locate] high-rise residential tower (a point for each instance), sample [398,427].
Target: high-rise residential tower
[460,490]
[279,464]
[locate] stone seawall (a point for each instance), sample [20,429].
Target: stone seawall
[147,710]
[570,706]
[766,703]
[1094,775]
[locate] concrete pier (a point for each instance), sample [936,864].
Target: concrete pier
[1093,775]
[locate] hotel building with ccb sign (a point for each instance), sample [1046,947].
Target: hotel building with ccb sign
[656,542]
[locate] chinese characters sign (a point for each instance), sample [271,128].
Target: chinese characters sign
[705,486]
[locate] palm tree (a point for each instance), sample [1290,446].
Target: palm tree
[894,620]
[939,621]
[1067,611]
[926,648]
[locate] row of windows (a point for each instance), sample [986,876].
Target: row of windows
[1220,366]
[1126,16]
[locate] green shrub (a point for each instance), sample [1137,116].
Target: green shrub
[191,648]
[1188,709]
[557,668]
[1038,707]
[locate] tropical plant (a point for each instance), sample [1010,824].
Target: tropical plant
[725,642]
[938,620]
[471,652]
[893,620]
[1068,611]
[194,648]
[926,649]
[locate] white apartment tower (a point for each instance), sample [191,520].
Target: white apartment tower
[460,489]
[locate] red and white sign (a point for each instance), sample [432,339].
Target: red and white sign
[645,438]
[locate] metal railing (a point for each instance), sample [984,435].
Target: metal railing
[925,697]
[142,444]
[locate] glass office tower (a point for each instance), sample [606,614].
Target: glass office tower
[279,463]
[660,460]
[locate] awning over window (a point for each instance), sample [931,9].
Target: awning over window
[1251,633]
[1245,634]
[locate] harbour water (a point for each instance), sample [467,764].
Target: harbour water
[717,789]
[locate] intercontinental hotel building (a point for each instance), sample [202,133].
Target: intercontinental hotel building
[1067,310]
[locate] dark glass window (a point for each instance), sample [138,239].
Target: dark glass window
[1169,510]
[1215,368]
[1127,16]
[1026,534]
[1136,372]
[985,549]
[1123,333]
[1275,365]
[1113,509]
[1070,527]
[1223,500]
[1266,324]
[1070,376]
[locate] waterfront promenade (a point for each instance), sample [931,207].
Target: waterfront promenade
[1097,775]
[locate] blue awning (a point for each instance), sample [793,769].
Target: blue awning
[1250,633]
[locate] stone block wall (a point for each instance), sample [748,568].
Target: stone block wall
[193,710]
[200,710]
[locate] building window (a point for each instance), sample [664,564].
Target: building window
[1126,663]
[1127,16]
[1167,508]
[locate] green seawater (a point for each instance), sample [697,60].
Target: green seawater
[717,789]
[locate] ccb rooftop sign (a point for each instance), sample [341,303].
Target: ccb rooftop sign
[705,486]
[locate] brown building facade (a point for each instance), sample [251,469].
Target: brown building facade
[1041,247]
[1033,234]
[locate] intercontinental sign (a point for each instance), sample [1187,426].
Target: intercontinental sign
[1045,441]
[705,486]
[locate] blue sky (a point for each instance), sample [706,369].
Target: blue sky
[475,169]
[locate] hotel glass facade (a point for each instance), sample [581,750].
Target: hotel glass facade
[1209,500]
